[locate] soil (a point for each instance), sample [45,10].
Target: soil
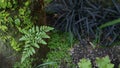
[87,51]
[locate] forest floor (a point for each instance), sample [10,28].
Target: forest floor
[89,52]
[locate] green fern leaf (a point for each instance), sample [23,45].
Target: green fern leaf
[46,28]
[32,38]
[44,35]
[36,45]
[43,42]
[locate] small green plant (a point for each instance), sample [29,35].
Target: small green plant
[5,4]
[84,63]
[104,62]
[32,38]
[4,20]
[13,18]
[15,24]
[59,51]
[101,63]
[26,64]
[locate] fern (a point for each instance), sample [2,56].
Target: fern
[32,38]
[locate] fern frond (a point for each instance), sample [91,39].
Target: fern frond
[45,28]
[32,38]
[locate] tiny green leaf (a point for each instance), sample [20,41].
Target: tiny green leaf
[17,22]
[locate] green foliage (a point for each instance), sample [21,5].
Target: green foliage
[60,47]
[5,4]
[45,64]
[117,21]
[3,28]
[104,62]
[84,63]
[3,20]
[5,25]
[101,63]
[15,45]
[32,38]
[26,64]
[13,20]
[15,24]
